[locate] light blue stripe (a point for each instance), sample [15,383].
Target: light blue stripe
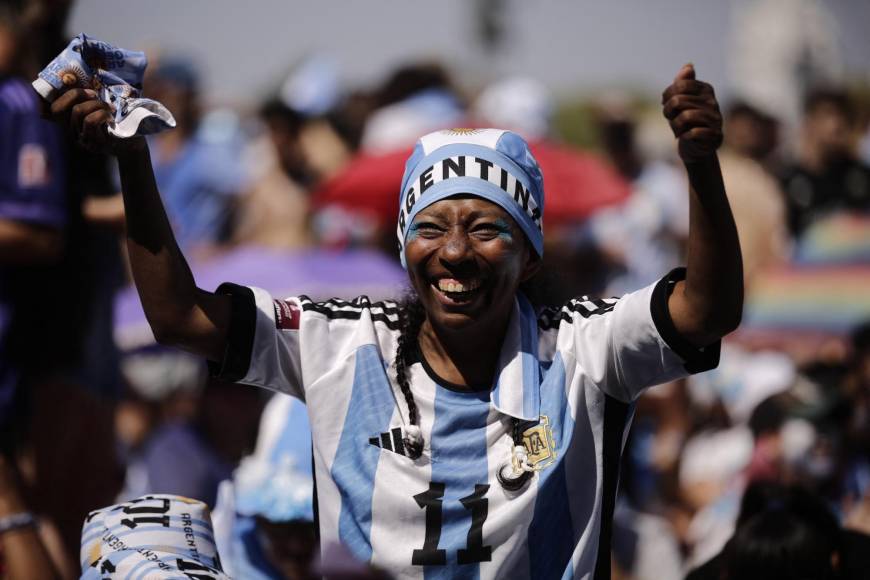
[552,536]
[294,439]
[356,461]
[459,461]
[529,352]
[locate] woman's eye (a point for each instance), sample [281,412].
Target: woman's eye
[426,229]
[487,231]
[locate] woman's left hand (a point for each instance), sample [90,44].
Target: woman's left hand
[692,110]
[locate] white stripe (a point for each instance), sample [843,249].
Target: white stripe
[584,492]
[327,410]
[506,527]
[398,523]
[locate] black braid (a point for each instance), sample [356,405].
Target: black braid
[411,317]
[514,483]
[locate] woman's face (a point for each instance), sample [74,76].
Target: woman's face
[466,257]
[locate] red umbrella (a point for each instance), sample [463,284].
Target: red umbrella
[577,183]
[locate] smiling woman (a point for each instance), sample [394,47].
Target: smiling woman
[465,432]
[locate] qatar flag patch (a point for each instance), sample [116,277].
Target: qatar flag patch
[287,315]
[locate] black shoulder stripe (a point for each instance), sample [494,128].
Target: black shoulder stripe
[363,302]
[360,303]
[551,317]
[356,314]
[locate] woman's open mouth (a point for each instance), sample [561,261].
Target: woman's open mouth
[456,292]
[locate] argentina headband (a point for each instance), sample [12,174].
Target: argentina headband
[493,164]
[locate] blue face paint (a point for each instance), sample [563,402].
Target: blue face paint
[504,230]
[413,231]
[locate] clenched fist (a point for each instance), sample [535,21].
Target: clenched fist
[691,108]
[87,119]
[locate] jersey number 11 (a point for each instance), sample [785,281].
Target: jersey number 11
[431,500]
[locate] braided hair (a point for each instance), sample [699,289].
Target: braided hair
[411,318]
[506,473]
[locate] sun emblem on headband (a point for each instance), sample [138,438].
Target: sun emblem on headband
[461,131]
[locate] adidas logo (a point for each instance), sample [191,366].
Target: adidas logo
[391,441]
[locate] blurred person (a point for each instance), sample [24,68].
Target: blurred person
[752,133]
[419,439]
[23,538]
[45,23]
[326,134]
[785,531]
[49,280]
[310,139]
[198,165]
[34,212]
[274,210]
[416,99]
[728,434]
[826,177]
[856,391]
[754,193]
[60,432]
[780,450]
[49,189]
[776,544]
[264,518]
[520,104]
[186,436]
[773,71]
[647,234]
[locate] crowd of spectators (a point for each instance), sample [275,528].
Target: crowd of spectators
[758,469]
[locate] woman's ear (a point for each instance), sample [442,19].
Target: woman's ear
[531,267]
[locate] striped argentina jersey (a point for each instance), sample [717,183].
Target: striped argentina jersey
[570,374]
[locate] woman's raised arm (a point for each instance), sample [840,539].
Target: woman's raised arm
[709,304]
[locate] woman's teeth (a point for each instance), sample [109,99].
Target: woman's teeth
[456,286]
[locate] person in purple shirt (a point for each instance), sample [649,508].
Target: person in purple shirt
[33,211]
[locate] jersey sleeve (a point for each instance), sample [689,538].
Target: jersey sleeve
[263,341]
[628,344]
[287,345]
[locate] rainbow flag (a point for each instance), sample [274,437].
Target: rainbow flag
[837,240]
[830,300]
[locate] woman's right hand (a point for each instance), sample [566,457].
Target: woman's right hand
[88,119]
